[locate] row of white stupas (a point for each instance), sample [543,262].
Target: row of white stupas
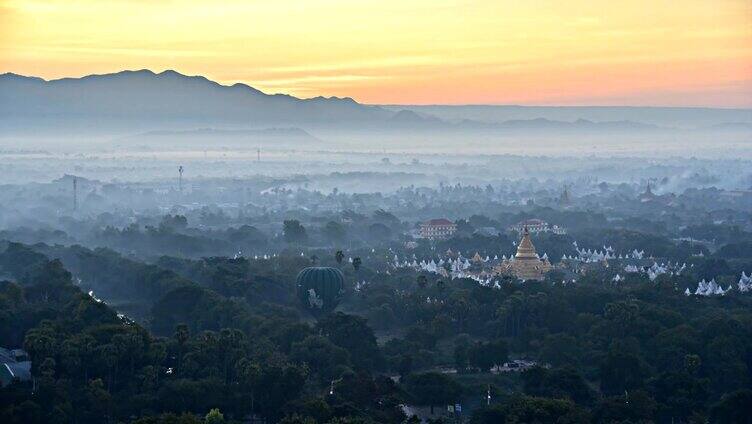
[708,288]
[711,288]
[745,283]
[458,268]
[433,266]
[655,270]
[591,256]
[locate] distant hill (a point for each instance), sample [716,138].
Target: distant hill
[580,125]
[408,119]
[732,126]
[167,100]
[676,117]
[143,107]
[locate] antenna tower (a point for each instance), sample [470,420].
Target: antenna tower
[75,193]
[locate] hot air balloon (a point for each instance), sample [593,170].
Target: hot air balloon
[320,288]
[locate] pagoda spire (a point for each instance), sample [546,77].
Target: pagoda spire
[526,250]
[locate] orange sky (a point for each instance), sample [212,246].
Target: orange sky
[688,52]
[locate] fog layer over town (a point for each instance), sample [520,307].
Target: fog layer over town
[177,251]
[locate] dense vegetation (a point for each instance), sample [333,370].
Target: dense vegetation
[228,334]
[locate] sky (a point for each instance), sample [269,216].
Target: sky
[535,52]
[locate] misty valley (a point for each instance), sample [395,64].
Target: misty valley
[178,251]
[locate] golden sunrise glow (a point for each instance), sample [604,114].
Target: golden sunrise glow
[657,52]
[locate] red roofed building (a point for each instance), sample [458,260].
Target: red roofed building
[438,229]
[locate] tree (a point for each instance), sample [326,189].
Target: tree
[17,259]
[461,356]
[379,231]
[356,263]
[621,314]
[432,389]
[563,383]
[692,363]
[321,355]
[172,223]
[40,342]
[181,336]
[711,268]
[422,281]
[247,234]
[464,227]
[733,408]
[620,372]
[294,232]
[560,350]
[526,409]
[334,232]
[169,418]
[405,366]
[278,385]
[353,334]
[440,285]
[678,394]
[250,374]
[486,355]
[313,408]
[297,419]
[214,417]
[635,406]
[98,399]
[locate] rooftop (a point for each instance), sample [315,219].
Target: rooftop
[439,221]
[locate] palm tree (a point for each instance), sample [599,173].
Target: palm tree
[181,336]
[339,256]
[250,374]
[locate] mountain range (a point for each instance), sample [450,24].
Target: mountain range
[142,103]
[166,99]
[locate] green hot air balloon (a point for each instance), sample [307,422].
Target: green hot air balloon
[320,288]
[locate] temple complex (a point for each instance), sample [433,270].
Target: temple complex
[525,265]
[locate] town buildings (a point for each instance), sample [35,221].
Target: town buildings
[436,229]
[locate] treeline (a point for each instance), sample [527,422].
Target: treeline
[230,335]
[90,365]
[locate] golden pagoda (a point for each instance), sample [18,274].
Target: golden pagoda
[525,265]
